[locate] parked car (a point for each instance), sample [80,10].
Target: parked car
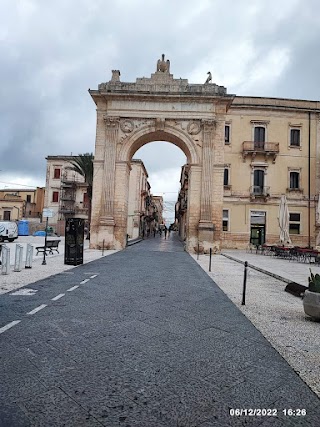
[8,231]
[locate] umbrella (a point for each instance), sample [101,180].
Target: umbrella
[284,221]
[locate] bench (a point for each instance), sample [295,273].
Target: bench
[52,245]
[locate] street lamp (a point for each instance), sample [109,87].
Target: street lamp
[18,211]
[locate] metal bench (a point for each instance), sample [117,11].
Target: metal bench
[52,245]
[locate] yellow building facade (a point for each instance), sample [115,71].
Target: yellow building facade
[271,149]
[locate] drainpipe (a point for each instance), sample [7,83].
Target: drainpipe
[309,180]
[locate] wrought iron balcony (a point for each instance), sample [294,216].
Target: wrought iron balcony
[259,192]
[268,149]
[67,210]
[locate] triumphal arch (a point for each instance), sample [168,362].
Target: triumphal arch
[159,108]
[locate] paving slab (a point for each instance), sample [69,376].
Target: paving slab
[149,341]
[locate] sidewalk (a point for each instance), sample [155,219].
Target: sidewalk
[54,263]
[277,314]
[144,338]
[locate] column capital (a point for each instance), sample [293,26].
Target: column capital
[111,122]
[209,124]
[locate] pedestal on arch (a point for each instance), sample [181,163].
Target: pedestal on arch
[206,239]
[104,237]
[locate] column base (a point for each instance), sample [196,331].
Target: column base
[206,237]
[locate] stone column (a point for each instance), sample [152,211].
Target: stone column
[122,175]
[193,214]
[206,226]
[217,176]
[107,198]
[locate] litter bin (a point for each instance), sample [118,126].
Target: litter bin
[74,238]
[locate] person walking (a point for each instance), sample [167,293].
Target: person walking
[165,231]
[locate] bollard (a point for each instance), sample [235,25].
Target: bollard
[244,283]
[103,247]
[29,256]
[5,260]
[18,258]
[198,251]
[210,257]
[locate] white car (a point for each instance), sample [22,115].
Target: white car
[8,231]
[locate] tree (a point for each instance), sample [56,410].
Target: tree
[83,164]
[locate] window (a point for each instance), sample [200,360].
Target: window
[28,198]
[294,180]
[295,137]
[226,177]
[56,173]
[55,197]
[225,220]
[258,181]
[294,223]
[259,136]
[227,134]
[85,200]
[6,215]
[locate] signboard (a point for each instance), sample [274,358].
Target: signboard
[47,213]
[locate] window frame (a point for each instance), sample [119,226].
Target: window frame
[53,197]
[55,169]
[291,144]
[227,139]
[226,219]
[295,223]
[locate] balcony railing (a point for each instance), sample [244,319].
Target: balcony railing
[268,149]
[67,210]
[256,191]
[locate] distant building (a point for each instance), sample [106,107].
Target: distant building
[16,204]
[66,196]
[66,191]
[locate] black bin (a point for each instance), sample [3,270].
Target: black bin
[74,238]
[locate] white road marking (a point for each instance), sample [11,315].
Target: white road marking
[35,310]
[84,281]
[57,297]
[9,325]
[73,288]
[92,277]
[27,292]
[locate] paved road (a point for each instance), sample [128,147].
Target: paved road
[142,338]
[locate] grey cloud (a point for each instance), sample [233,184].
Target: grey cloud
[51,53]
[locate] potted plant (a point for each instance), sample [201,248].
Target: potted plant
[311,299]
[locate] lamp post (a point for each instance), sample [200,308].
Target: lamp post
[44,262]
[18,211]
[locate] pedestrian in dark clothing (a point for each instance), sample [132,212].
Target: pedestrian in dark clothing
[165,232]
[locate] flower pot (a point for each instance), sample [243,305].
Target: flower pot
[311,304]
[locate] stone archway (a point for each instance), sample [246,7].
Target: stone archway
[159,108]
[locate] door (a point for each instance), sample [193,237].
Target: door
[257,235]
[259,137]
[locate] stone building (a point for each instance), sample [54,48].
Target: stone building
[271,149]
[66,192]
[16,204]
[242,153]
[139,200]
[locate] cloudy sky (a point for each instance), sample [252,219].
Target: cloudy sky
[53,51]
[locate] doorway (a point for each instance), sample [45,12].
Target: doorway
[257,235]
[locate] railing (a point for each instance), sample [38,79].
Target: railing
[67,210]
[257,191]
[250,146]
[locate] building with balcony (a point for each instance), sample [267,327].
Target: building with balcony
[271,148]
[144,209]
[66,192]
